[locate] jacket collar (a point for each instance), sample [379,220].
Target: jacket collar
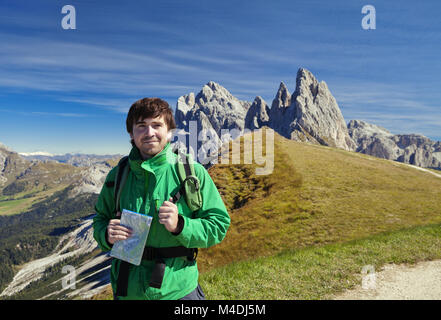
[160,160]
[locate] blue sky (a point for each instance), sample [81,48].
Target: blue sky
[69,90]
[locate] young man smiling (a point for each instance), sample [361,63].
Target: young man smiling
[175,229]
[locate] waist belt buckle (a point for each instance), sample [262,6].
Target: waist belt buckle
[193,255]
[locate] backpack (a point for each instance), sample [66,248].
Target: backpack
[190,186]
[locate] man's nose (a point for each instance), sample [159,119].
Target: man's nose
[149,131]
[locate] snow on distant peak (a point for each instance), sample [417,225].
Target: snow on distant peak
[37,153]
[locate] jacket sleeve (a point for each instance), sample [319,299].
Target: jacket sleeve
[211,222]
[104,211]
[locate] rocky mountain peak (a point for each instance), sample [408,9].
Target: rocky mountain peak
[282,98]
[310,114]
[215,86]
[359,129]
[184,104]
[408,148]
[259,100]
[305,83]
[213,108]
[257,115]
[279,119]
[214,91]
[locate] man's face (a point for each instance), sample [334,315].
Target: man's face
[150,136]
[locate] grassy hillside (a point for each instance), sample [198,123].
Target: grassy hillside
[320,272]
[34,184]
[317,197]
[23,201]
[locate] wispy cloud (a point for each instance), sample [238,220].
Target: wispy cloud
[30,52]
[118,105]
[60,114]
[47,114]
[50,65]
[188,54]
[61,66]
[401,96]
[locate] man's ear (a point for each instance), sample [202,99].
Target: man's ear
[169,135]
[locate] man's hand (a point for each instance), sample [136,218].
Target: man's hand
[168,215]
[117,232]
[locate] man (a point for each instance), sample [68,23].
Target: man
[151,180]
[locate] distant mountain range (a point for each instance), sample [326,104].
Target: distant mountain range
[408,148]
[310,114]
[36,172]
[77,159]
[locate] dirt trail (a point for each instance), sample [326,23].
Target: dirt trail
[425,170]
[400,282]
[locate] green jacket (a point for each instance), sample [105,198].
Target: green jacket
[148,185]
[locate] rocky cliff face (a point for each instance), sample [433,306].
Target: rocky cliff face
[280,114]
[91,275]
[216,105]
[205,115]
[312,114]
[257,115]
[91,179]
[408,148]
[11,165]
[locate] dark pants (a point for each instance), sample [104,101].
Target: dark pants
[196,294]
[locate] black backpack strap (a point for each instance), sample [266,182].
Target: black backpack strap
[151,253]
[186,163]
[157,274]
[159,254]
[123,279]
[123,273]
[118,187]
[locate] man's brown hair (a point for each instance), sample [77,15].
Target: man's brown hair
[149,108]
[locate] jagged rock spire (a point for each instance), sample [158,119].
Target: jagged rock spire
[257,115]
[313,114]
[310,114]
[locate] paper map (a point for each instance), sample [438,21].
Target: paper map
[131,250]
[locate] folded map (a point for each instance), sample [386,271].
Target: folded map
[131,249]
